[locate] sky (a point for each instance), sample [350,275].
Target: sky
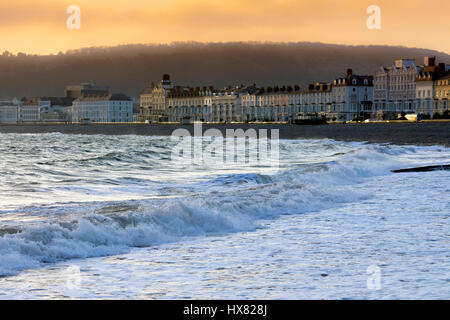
[40,26]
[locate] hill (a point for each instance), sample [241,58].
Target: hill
[130,68]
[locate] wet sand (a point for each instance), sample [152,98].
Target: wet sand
[426,133]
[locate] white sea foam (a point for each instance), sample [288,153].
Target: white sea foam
[315,175]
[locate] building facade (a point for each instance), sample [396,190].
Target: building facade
[89,88]
[343,100]
[395,89]
[226,106]
[431,90]
[31,110]
[272,104]
[407,87]
[105,108]
[352,97]
[442,93]
[9,112]
[188,105]
[46,109]
[316,101]
[204,104]
[153,101]
[425,93]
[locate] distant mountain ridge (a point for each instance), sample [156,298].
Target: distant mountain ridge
[130,68]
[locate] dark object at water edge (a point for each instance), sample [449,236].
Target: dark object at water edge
[310,121]
[424,169]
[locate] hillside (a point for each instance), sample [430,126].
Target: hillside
[130,68]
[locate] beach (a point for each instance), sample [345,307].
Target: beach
[424,133]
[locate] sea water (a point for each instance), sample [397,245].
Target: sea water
[94,216]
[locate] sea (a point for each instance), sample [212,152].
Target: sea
[115,217]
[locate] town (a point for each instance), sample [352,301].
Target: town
[405,91]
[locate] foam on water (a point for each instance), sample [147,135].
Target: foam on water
[164,204]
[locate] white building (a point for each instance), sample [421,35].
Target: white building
[30,112]
[9,111]
[316,101]
[429,98]
[226,106]
[103,108]
[345,99]
[425,92]
[46,109]
[352,97]
[189,104]
[395,88]
[276,104]
[272,104]
[204,104]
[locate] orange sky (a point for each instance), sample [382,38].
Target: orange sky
[39,26]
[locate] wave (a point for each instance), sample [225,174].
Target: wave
[219,205]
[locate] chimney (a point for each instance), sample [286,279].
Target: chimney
[441,69]
[349,73]
[429,61]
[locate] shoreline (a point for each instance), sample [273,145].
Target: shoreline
[411,133]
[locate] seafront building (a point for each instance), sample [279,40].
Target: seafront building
[189,104]
[30,111]
[407,87]
[352,97]
[46,109]
[205,104]
[226,105]
[395,89]
[57,109]
[102,108]
[154,104]
[428,100]
[88,88]
[442,93]
[343,100]
[390,93]
[9,111]
[272,104]
[315,101]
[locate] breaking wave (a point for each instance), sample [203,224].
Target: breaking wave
[214,205]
